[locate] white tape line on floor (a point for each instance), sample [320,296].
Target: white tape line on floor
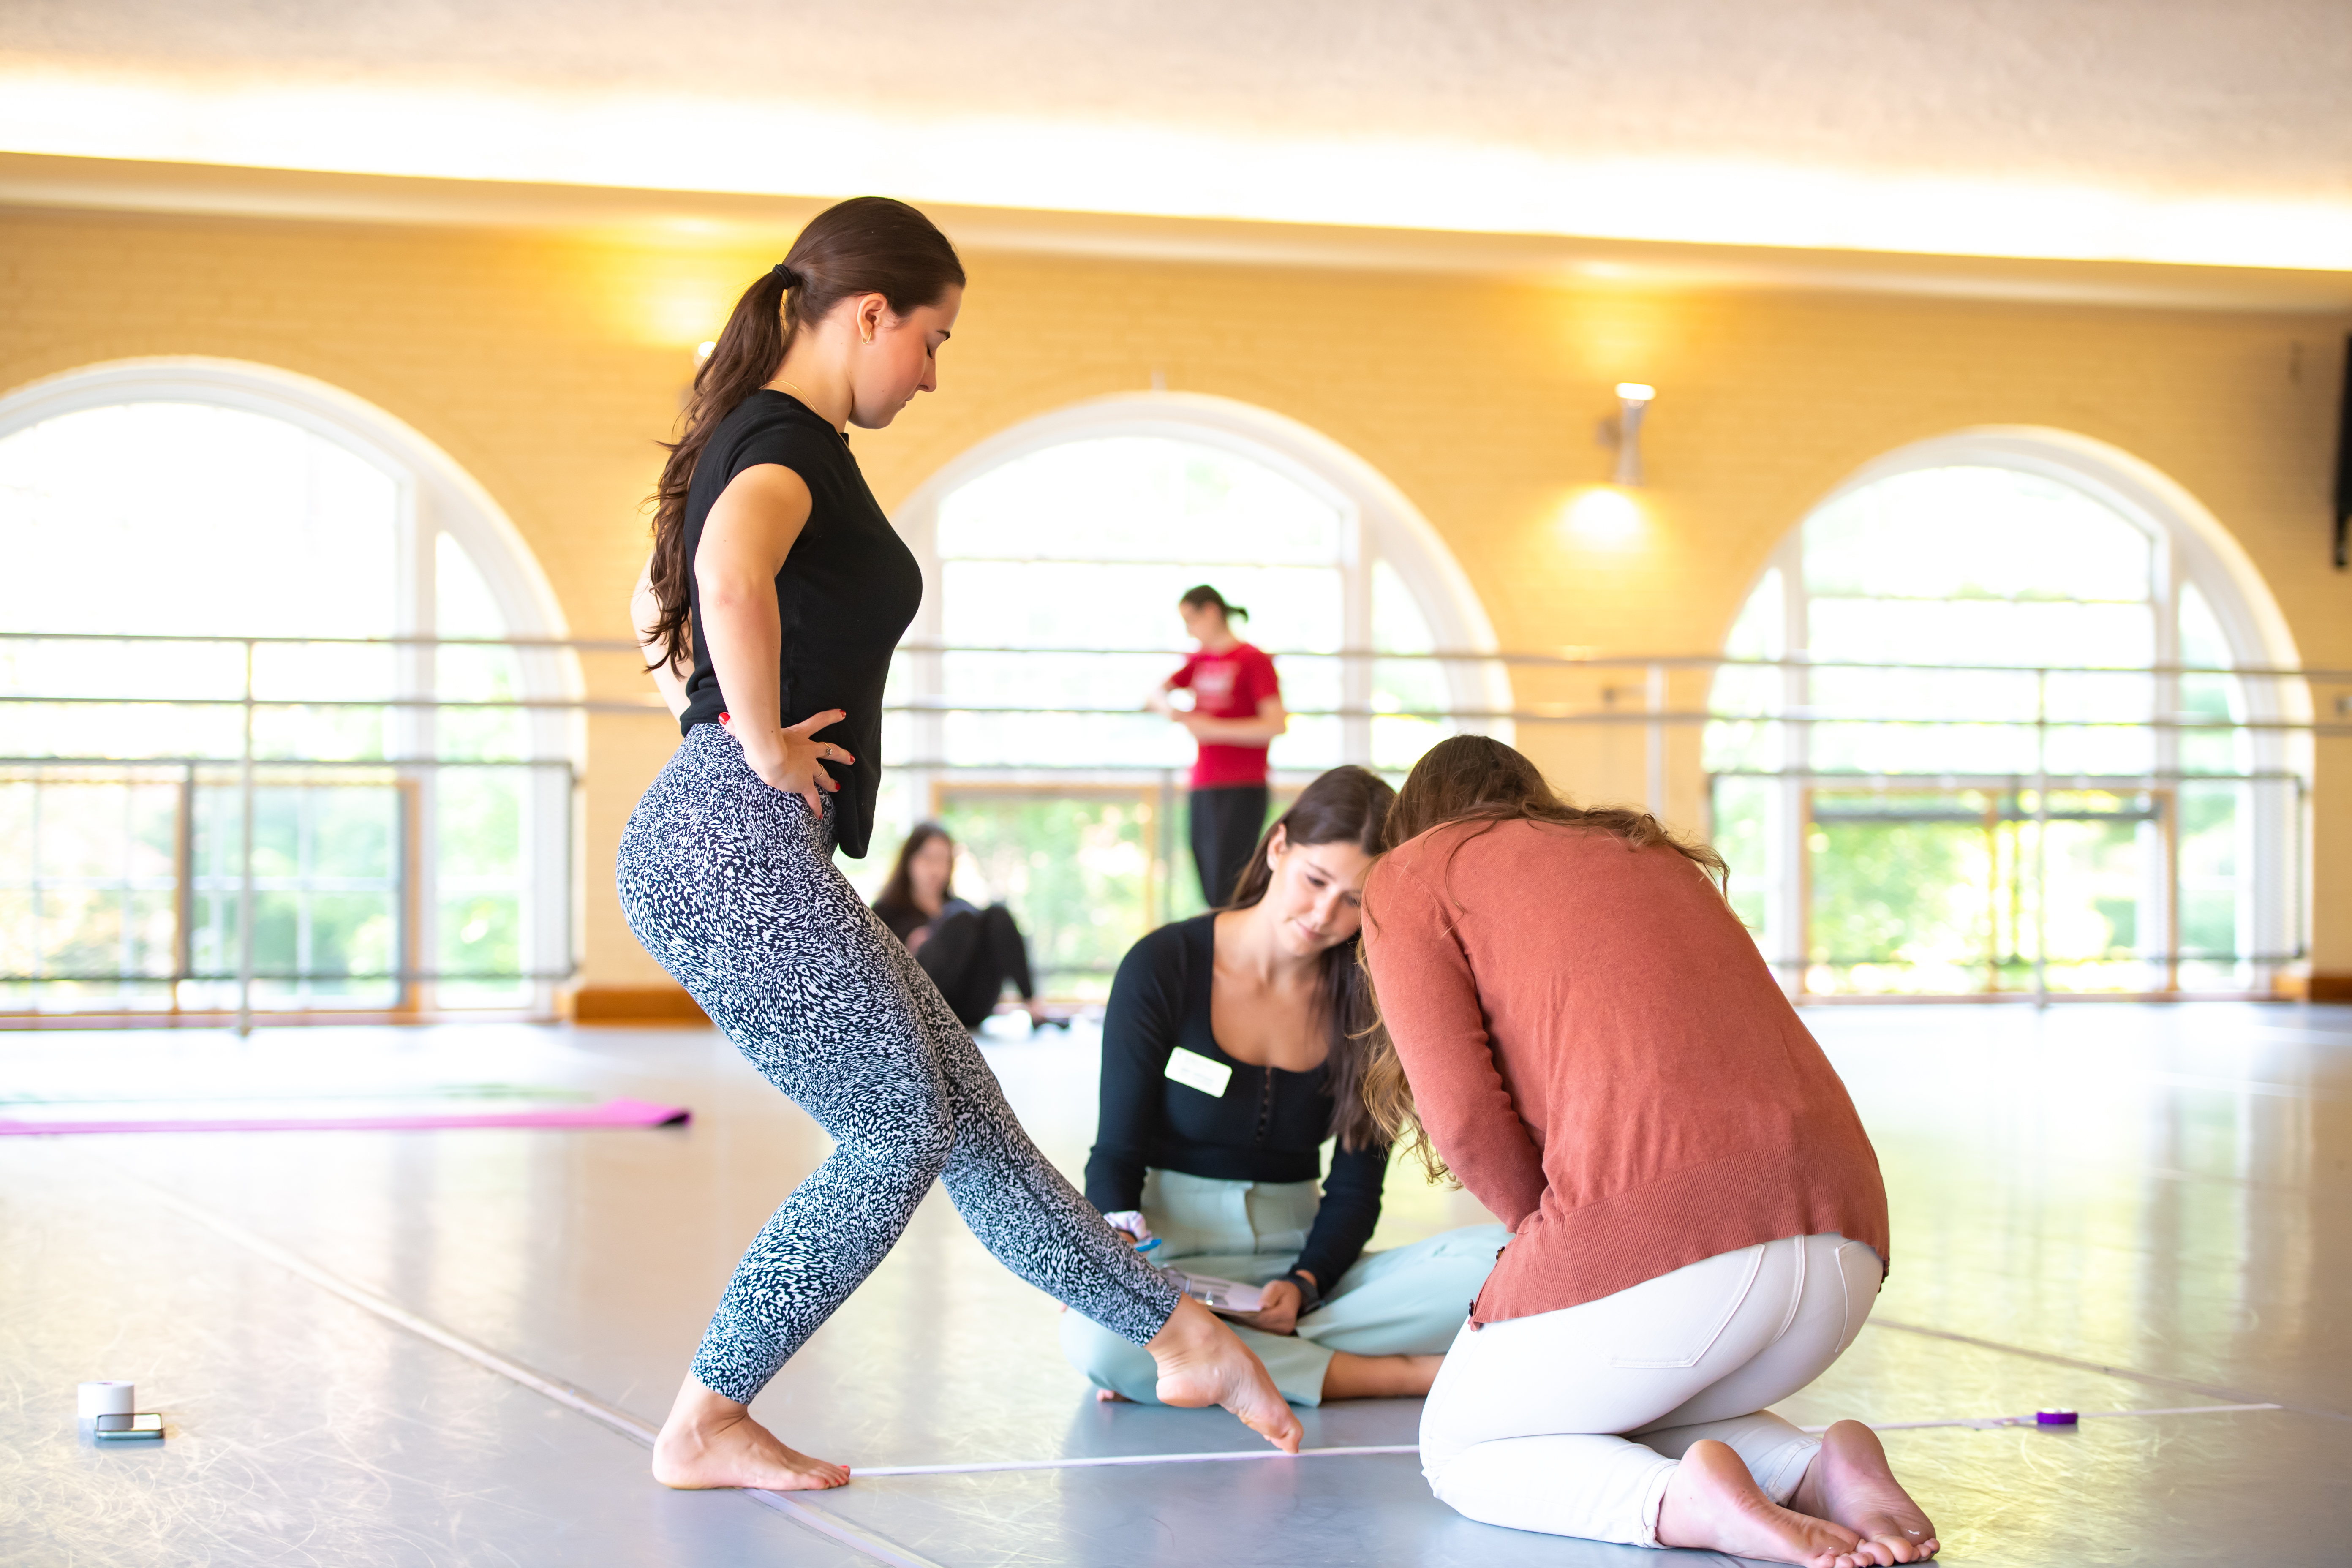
[1988,1423]
[2129,1374]
[1097,1461]
[1980,1422]
[880,1548]
[876,1547]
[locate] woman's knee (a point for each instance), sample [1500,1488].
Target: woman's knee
[902,1123]
[929,1140]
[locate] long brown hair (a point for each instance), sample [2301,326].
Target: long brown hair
[897,894]
[867,245]
[1475,778]
[1346,806]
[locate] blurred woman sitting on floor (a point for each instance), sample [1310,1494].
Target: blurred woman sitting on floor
[969,953]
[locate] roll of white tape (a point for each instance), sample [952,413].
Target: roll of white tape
[107,1399]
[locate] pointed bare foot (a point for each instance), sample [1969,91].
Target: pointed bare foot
[709,1440]
[1111,1396]
[1713,1503]
[1850,1482]
[1201,1363]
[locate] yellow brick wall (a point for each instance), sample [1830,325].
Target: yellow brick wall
[548,365]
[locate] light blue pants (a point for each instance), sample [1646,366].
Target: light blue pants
[1409,1300]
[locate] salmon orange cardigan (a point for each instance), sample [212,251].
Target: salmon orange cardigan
[1602,1056]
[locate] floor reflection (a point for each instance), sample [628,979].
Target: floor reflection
[2160,1192]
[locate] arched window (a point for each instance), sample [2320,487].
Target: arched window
[1064,543]
[2016,738]
[217,567]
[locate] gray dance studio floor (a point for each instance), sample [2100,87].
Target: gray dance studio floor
[2110,1209]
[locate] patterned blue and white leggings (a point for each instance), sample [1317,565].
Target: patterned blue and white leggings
[730,884]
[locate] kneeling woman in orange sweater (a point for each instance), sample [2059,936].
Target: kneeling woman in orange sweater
[1583,1031]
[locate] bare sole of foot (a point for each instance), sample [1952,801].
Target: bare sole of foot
[1850,1482]
[1713,1503]
[712,1441]
[1201,1363]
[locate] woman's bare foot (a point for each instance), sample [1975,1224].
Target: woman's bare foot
[1714,1503]
[1851,1483]
[1111,1396]
[1379,1376]
[709,1440]
[1201,1363]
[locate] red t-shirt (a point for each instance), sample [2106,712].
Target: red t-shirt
[1229,685]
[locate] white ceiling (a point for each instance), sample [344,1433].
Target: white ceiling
[2138,129]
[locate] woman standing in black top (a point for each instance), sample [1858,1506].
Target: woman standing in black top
[1234,1047]
[776,592]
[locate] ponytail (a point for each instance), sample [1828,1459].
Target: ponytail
[1203,596]
[867,245]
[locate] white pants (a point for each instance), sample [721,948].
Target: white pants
[1522,1428]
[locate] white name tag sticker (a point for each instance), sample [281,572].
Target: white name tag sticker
[1194,1070]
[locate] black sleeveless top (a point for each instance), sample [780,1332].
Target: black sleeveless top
[844,596]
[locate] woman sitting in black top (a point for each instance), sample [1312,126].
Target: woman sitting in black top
[1231,1049]
[969,953]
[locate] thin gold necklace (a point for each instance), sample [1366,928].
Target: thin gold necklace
[807,405]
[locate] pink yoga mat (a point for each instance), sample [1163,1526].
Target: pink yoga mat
[611,1113]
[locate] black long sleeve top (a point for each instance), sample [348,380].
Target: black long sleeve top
[1268,1125]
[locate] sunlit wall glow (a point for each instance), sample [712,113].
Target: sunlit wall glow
[1603,515]
[685,310]
[454,132]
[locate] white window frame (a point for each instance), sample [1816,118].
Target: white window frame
[2191,547]
[1378,523]
[433,496]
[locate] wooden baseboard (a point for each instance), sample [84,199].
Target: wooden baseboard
[2324,985]
[632,1004]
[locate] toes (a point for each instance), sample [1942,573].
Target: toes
[1282,1434]
[1281,1429]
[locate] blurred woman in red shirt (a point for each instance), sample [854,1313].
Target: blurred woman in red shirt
[1236,713]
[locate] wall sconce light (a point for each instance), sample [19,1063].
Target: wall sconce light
[1625,434]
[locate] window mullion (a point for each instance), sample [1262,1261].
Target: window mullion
[417,684]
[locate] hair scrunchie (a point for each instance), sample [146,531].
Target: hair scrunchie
[792,280]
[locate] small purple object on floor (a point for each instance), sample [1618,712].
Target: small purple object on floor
[2056,1419]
